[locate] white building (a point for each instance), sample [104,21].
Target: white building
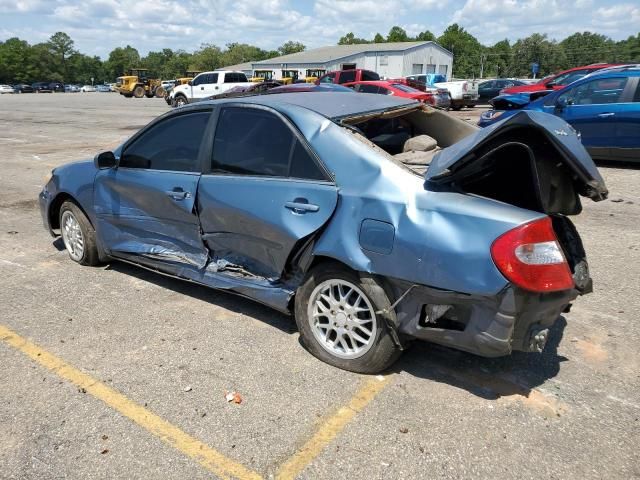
[389,60]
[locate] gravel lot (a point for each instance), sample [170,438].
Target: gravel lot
[174,349]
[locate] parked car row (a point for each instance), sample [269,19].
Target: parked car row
[51,87]
[603,106]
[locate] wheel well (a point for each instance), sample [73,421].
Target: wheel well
[321,259]
[54,209]
[317,260]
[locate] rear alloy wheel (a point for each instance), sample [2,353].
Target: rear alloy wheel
[343,320]
[138,92]
[78,235]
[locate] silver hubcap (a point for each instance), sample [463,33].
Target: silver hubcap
[72,236]
[342,319]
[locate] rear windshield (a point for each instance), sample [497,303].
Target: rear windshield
[368,75]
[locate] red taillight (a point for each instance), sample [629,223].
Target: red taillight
[531,258]
[465,87]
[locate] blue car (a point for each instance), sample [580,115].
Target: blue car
[310,203]
[604,107]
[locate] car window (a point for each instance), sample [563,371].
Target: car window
[230,77]
[489,84]
[569,77]
[328,78]
[636,97]
[172,144]
[347,76]
[368,88]
[255,142]
[595,92]
[385,91]
[369,76]
[198,80]
[405,88]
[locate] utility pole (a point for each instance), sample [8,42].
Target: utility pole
[482,59]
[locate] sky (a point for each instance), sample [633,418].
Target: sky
[98,26]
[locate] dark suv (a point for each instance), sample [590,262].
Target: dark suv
[42,87]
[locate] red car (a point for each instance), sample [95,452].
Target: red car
[390,87]
[557,81]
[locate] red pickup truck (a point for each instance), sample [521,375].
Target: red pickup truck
[347,76]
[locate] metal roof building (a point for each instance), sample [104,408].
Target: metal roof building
[395,59]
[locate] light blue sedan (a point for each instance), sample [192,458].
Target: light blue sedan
[310,203]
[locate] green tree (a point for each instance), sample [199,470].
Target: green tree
[586,47]
[61,47]
[120,60]
[628,50]
[15,61]
[537,48]
[83,68]
[291,47]
[207,57]
[397,34]
[378,38]
[242,52]
[465,48]
[426,36]
[351,39]
[498,60]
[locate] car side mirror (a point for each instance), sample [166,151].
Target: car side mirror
[191,83]
[105,160]
[551,84]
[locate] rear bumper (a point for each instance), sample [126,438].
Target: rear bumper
[513,320]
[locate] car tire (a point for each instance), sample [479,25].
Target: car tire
[317,305]
[180,100]
[78,235]
[456,108]
[138,92]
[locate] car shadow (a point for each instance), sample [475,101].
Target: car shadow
[220,298]
[618,164]
[488,378]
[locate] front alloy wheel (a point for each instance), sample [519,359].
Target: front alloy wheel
[72,235]
[78,235]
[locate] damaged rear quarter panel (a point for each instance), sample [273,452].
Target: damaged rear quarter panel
[442,239]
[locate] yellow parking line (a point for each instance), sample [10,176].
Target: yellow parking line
[331,428]
[206,456]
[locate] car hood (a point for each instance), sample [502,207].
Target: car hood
[517,101]
[450,164]
[524,88]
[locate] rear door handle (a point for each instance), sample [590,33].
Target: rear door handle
[178,194]
[605,115]
[301,205]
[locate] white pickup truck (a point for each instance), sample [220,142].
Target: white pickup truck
[205,85]
[464,93]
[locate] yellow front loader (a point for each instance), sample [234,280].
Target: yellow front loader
[135,83]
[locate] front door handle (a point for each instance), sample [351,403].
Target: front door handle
[606,115]
[301,205]
[178,194]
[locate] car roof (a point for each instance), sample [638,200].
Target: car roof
[380,83]
[332,105]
